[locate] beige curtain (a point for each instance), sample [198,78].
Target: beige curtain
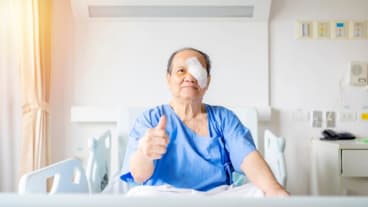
[35,68]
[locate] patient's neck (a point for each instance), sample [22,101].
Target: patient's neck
[188,110]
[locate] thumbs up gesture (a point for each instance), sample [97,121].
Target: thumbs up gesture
[154,143]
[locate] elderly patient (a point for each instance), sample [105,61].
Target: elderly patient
[187,144]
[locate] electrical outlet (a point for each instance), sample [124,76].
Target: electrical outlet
[304,30]
[316,119]
[330,117]
[347,116]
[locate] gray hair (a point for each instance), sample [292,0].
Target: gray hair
[205,56]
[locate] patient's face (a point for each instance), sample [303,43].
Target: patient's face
[181,83]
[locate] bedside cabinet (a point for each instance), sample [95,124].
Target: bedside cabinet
[339,167]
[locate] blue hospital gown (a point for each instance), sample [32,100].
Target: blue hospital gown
[193,161]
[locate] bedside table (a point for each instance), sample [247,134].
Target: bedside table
[339,167]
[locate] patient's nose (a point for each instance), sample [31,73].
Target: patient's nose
[189,78]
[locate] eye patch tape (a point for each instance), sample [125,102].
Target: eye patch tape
[197,71]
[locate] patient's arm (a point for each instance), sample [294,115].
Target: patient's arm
[152,146]
[141,167]
[259,173]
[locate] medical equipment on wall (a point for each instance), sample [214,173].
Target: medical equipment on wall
[353,86]
[358,73]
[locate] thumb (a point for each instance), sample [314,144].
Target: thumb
[162,123]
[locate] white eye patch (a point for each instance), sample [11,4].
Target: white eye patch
[197,71]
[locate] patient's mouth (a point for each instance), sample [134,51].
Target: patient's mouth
[190,86]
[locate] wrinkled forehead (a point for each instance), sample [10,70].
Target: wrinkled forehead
[181,57]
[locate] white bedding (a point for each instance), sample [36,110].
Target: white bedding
[246,190]
[78,200]
[116,186]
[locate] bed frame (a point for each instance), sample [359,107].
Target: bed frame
[78,200]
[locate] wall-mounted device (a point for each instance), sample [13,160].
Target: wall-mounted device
[358,29]
[330,117]
[331,29]
[322,30]
[339,29]
[316,118]
[358,73]
[304,30]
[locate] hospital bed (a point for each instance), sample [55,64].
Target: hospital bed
[98,170]
[79,182]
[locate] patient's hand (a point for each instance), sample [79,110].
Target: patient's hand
[154,143]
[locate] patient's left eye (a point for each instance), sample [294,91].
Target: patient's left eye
[180,70]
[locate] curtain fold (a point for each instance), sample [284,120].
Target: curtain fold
[35,68]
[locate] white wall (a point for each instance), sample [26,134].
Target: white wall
[122,63]
[305,75]
[61,84]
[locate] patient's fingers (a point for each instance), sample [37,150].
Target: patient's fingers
[159,141]
[154,156]
[153,145]
[155,152]
[162,123]
[159,149]
[156,135]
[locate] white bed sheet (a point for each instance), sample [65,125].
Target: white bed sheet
[246,190]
